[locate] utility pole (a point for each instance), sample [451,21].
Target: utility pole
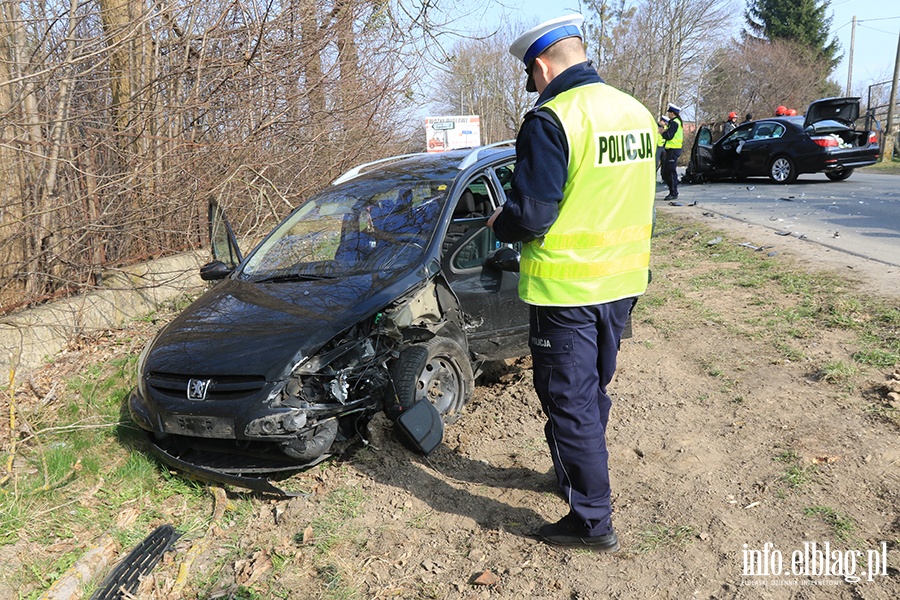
[888,154]
[850,60]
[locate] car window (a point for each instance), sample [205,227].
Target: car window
[471,211]
[504,175]
[766,131]
[739,134]
[471,254]
[704,136]
[221,237]
[368,227]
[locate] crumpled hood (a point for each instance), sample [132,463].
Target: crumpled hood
[263,329]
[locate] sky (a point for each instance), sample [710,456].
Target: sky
[875,47]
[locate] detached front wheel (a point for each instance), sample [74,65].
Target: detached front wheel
[782,170]
[437,370]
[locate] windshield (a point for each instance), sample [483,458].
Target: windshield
[364,227]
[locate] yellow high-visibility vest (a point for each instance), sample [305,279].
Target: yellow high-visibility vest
[677,140]
[598,250]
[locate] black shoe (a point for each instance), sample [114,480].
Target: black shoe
[569,531]
[671,197]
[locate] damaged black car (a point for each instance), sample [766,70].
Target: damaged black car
[384,292]
[825,140]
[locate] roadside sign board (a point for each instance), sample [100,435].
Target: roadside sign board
[451,132]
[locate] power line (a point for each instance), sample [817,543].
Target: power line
[873,29]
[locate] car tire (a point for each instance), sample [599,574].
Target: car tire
[437,370]
[839,175]
[782,170]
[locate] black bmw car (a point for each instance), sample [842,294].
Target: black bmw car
[823,141]
[379,292]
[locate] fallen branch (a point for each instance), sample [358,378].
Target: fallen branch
[85,568]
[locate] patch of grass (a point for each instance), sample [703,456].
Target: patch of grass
[799,475]
[877,357]
[884,411]
[796,474]
[788,351]
[328,528]
[335,587]
[842,525]
[844,312]
[886,167]
[836,372]
[77,473]
[788,456]
[659,536]
[331,530]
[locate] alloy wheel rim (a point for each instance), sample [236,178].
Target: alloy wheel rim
[781,168]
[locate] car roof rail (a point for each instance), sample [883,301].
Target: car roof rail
[357,170]
[473,156]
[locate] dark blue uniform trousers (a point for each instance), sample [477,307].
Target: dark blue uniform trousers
[574,354]
[671,172]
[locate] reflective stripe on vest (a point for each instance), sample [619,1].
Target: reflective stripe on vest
[598,250]
[678,140]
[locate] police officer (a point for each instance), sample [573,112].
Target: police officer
[661,147]
[582,203]
[674,136]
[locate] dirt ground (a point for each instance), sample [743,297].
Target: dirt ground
[708,428]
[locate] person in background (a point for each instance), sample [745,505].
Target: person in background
[581,202]
[730,124]
[661,147]
[748,118]
[674,136]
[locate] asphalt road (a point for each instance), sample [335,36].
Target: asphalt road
[860,215]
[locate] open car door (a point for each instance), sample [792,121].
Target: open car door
[701,161]
[226,254]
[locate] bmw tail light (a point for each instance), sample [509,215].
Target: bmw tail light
[826,141]
[873,137]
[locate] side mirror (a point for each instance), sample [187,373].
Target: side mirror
[214,271]
[503,259]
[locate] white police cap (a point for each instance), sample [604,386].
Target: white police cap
[530,44]
[673,108]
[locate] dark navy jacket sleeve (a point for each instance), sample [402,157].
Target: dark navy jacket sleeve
[532,204]
[542,165]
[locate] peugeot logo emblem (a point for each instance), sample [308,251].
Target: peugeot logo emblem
[196,388]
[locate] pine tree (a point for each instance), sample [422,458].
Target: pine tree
[803,22]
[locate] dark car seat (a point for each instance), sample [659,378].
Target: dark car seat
[764,132]
[466,205]
[469,206]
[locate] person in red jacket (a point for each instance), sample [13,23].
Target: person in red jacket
[730,124]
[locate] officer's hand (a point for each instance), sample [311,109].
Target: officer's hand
[490,221]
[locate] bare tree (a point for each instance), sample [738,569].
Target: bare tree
[484,79]
[755,76]
[120,118]
[656,49]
